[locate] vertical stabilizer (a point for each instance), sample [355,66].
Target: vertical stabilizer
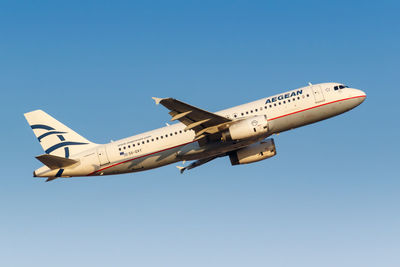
[54,137]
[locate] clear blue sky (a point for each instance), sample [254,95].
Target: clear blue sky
[331,197]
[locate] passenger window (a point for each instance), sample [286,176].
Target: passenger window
[275,105]
[143,142]
[180,131]
[170,134]
[124,147]
[279,103]
[119,149]
[129,146]
[270,106]
[308,95]
[284,102]
[247,112]
[265,107]
[256,110]
[133,145]
[242,113]
[235,115]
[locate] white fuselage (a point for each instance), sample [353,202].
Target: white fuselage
[172,143]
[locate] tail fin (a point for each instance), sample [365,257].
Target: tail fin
[54,137]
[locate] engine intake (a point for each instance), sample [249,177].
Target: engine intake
[253,153]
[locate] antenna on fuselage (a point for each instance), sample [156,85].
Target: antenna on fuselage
[309,83]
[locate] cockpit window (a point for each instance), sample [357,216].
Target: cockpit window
[340,87]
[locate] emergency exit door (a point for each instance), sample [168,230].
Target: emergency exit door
[102,154]
[318,94]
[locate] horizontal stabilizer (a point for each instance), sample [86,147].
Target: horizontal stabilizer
[55,162]
[51,179]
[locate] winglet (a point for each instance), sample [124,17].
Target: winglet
[157,100]
[181,169]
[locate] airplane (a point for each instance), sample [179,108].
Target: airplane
[241,133]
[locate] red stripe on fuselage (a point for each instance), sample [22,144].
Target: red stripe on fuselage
[316,107]
[122,162]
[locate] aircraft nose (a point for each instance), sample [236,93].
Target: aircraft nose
[360,95]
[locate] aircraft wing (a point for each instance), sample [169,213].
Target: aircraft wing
[201,121]
[197,163]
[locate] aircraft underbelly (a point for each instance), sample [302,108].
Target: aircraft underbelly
[189,152]
[310,116]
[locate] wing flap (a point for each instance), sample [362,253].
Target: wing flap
[177,116]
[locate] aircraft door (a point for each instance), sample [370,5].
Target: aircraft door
[318,94]
[102,154]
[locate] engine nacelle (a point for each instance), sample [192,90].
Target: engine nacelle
[253,153]
[247,128]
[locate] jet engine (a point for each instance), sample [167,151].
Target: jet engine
[253,153]
[247,128]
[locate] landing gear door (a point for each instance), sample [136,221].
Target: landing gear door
[318,94]
[102,154]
